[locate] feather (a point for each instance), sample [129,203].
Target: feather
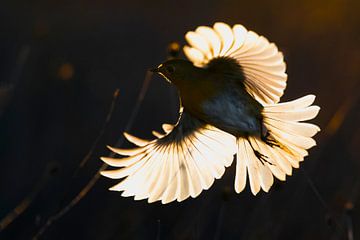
[294,105]
[175,166]
[239,32]
[295,128]
[157,134]
[122,162]
[167,127]
[240,176]
[196,56]
[171,184]
[252,168]
[197,41]
[226,35]
[296,115]
[212,38]
[262,63]
[127,152]
[135,140]
[291,138]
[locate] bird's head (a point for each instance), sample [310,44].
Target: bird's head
[175,70]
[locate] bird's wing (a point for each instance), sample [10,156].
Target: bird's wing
[178,164]
[263,65]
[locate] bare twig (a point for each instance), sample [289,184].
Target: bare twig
[5,91]
[94,179]
[7,86]
[102,131]
[333,125]
[25,203]
[95,143]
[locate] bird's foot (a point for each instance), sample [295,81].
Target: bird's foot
[263,158]
[269,140]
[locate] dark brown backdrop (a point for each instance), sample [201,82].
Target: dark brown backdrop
[60,64]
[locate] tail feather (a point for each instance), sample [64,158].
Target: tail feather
[296,115]
[260,173]
[294,105]
[240,176]
[289,141]
[295,128]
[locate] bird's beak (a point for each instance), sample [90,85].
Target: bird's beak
[155,70]
[159,70]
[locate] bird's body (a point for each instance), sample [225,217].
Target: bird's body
[217,95]
[229,93]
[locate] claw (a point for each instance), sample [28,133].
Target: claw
[269,140]
[263,158]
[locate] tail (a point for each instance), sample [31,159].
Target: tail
[284,148]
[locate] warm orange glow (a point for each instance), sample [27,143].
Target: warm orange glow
[65,71]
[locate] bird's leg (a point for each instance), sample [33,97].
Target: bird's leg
[263,158]
[267,138]
[270,141]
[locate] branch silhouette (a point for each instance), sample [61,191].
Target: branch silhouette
[97,175]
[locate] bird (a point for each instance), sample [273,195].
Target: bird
[229,88]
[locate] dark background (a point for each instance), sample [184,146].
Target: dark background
[60,63]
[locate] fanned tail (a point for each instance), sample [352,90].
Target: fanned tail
[285,145]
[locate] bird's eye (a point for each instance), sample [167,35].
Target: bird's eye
[170,69]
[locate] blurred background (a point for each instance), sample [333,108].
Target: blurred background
[60,64]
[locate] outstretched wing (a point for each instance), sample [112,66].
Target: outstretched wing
[263,65]
[178,164]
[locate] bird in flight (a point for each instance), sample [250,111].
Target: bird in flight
[229,90]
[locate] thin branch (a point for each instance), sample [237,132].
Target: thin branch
[102,131]
[332,127]
[97,175]
[24,204]
[5,89]
[94,145]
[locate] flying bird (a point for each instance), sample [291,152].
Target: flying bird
[229,90]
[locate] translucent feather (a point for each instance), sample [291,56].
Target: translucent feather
[262,63]
[291,140]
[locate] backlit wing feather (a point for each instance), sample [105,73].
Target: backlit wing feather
[178,164]
[262,63]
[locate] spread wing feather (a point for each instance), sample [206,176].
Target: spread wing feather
[262,63]
[176,165]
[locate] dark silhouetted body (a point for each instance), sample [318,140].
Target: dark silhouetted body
[216,95]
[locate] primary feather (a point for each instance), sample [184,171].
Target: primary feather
[174,166]
[262,63]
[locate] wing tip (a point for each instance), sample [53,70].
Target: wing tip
[107,173]
[106,159]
